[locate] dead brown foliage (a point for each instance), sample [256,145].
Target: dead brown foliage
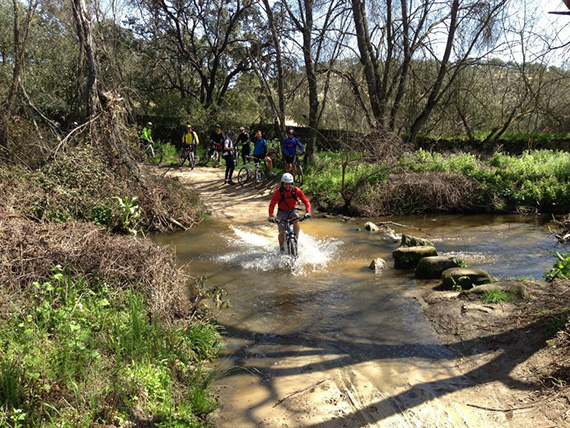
[29,250]
[416,193]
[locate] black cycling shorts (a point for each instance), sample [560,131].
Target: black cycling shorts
[289,158]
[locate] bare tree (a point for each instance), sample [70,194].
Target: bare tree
[206,36]
[405,30]
[315,22]
[21,33]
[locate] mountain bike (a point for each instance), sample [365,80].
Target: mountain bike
[291,243]
[187,153]
[213,155]
[252,171]
[236,153]
[299,172]
[149,152]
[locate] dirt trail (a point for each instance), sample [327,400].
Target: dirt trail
[503,376]
[222,200]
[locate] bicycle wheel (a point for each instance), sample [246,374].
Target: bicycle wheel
[259,177]
[243,176]
[154,156]
[192,160]
[299,178]
[182,156]
[236,159]
[215,159]
[292,245]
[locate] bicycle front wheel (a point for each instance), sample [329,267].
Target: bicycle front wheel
[299,178]
[215,159]
[154,156]
[259,177]
[243,176]
[192,160]
[292,246]
[182,156]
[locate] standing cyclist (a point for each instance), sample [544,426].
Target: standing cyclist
[289,147]
[260,151]
[146,136]
[286,197]
[190,139]
[216,141]
[243,139]
[229,157]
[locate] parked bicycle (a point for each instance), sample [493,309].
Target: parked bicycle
[252,171]
[149,152]
[187,153]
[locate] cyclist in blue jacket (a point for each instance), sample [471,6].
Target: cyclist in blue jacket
[289,147]
[260,151]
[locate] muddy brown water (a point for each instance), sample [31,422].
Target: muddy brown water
[331,343]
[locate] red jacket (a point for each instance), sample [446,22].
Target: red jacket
[290,202]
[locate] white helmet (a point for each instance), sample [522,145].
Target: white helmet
[287,178]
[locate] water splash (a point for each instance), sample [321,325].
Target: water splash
[257,248]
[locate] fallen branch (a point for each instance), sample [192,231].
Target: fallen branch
[501,410]
[302,390]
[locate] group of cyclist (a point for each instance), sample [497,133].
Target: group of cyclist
[286,197]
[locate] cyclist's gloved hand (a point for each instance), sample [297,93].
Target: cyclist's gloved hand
[308,215]
[271,219]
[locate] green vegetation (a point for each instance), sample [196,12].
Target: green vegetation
[561,268]
[497,296]
[536,181]
[81,353]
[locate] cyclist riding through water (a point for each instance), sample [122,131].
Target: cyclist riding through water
[289,148]
[286,197]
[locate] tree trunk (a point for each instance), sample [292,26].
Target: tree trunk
[433,96]
[20,41]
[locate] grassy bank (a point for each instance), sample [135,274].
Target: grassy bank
[98,327]
[419,182]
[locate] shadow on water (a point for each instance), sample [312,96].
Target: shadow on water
[333,313]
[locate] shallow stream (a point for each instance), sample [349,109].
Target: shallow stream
[331,343]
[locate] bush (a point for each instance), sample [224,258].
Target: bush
[561,268]
[79,352]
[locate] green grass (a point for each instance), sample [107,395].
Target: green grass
[497,296]
[78,355]
[539,179]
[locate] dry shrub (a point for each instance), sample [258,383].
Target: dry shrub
[415,193]
[380,145]
[167,203]
[29,251]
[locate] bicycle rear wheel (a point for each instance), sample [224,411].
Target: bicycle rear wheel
[243,176]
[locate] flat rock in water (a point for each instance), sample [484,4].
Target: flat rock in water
[464,278]
[409,257]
